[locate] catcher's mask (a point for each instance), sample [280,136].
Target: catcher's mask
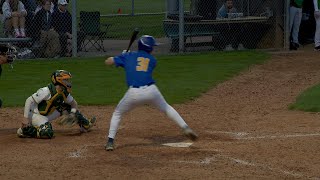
[63,78]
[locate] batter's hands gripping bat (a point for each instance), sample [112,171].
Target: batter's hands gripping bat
[133,38]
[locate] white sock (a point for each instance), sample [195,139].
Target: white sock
[22,30]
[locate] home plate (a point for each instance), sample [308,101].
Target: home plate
[179,144]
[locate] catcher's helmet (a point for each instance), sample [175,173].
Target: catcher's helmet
[63,78]
[146,43]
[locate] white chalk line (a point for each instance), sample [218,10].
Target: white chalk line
[78,153]
[209,160]
[214,158]
[244,135]
[281,136]
[247,163]
[82,150]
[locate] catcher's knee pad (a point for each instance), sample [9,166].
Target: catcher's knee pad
[45,131]
[84,122]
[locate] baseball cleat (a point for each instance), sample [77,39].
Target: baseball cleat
[109,146]
[190,134]
[85,129]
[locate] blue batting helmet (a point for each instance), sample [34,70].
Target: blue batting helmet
[146,43]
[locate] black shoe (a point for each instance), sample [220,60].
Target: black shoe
[190,134]
[293,46]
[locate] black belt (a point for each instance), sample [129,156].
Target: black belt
[149,84]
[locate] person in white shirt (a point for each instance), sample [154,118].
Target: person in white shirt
[14,14]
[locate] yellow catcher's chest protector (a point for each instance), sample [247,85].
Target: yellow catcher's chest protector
[56,101]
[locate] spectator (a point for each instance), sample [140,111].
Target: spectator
[226,8]
[295,15]
[233,34]
[62,23]
[40,5]
[44,32]
[14,16]
[316,5]
[30,6]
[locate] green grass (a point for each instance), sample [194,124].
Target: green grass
[112,6]
[122,26]
[180,78]
[308,100]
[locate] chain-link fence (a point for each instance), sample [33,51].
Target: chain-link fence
[92,28]
[226,25]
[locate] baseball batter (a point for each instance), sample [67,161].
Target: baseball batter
[142,90]
[49,103]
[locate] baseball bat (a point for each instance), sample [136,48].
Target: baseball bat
[133,38]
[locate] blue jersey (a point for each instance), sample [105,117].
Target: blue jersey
[139,66]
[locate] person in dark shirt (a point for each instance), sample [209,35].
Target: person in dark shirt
[44,32]
[232,34]
[62,24]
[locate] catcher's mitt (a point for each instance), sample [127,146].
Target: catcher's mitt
[68,120]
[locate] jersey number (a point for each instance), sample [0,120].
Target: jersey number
[143,64]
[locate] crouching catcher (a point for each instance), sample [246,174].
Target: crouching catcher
[53,102]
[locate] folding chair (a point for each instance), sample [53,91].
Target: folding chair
[90,28]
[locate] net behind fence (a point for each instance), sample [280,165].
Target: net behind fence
[47,28]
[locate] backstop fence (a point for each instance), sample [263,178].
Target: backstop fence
[179,26]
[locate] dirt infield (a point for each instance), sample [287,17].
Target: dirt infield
[245,130]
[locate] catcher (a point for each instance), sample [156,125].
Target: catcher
[53,102]
[7,56]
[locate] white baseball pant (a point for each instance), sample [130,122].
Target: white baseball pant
[135,97]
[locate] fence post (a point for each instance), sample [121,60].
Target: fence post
[286,26]
[74,29]
[181,26]
[132,8]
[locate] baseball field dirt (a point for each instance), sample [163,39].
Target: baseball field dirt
[245,131]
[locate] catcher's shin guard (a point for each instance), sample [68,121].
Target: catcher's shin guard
[84,123]
[45,131]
